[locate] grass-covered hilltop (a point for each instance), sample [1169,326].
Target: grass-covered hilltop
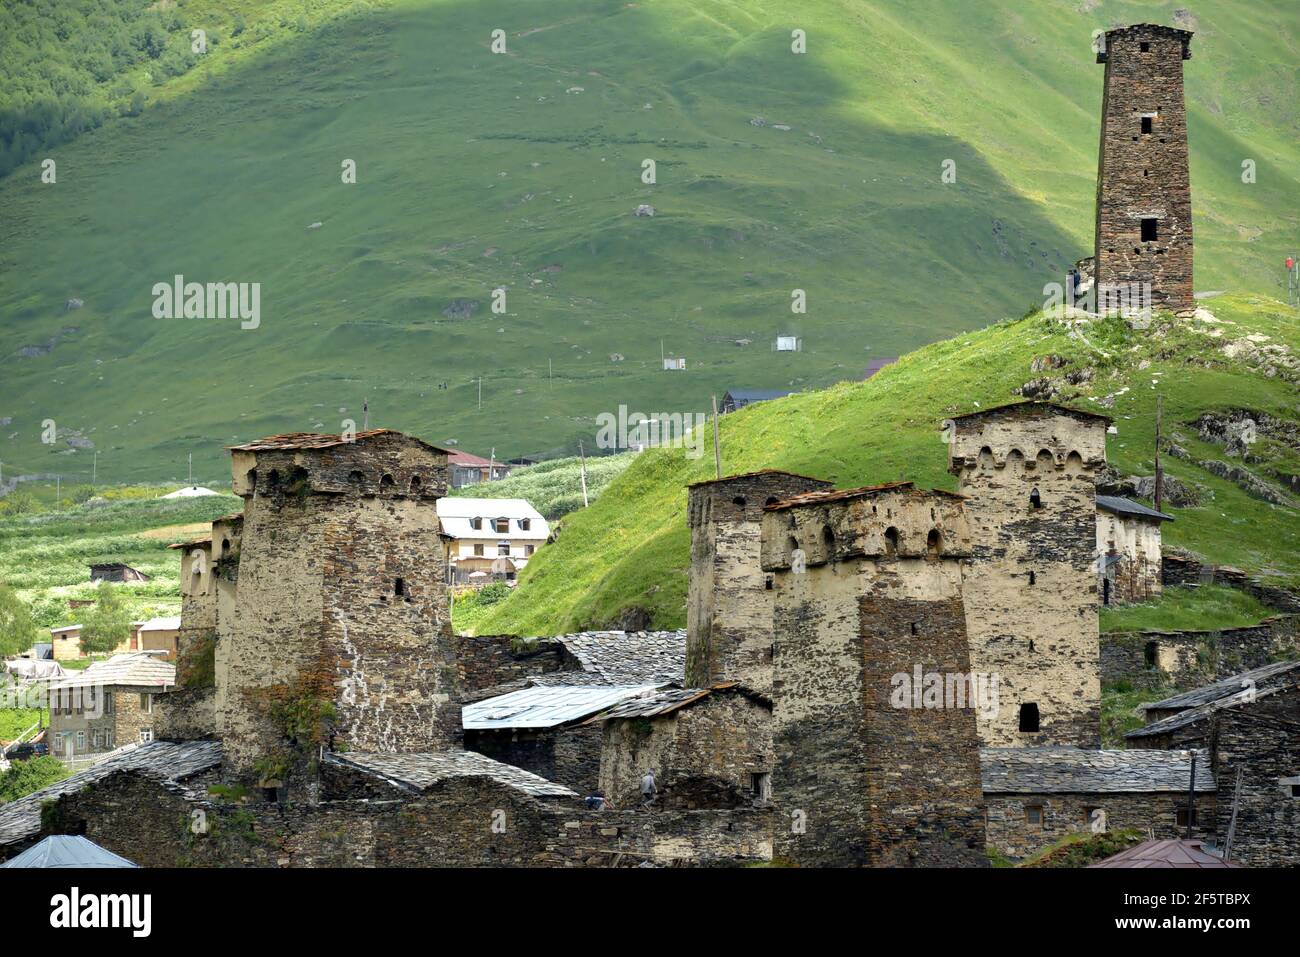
[775,172]
[1238,359]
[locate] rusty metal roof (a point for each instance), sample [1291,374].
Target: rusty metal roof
[1167,853]
[289,441]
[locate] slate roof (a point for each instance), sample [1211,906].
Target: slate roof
[544,707]
[841,495]
[622,658]
[420,771]
[1188,716]
[1167,853]
[67,850]
[754,474]
[1225,688]
[289,441]
[1035,405]
[1124,506]
[1069,770]
[666,701]
[133,669]
[162,761]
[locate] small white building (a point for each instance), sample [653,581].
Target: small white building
[674,362]
[491,539]
[1129,550]
[788,343]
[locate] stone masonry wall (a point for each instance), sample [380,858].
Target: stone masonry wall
[866,782]
[1145,174]
[729,606]
[1030,587]
[1185,659]
[485,661]
[1010,832]
[704,755]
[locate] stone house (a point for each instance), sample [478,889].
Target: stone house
[708,747]
[116,572]
[1128,546]
[542,730]
[1250,724]
[1036,796]
[489,539]
[107,705]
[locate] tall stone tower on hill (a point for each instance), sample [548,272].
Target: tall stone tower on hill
[1144,200]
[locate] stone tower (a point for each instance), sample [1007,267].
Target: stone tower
[1027,472]
[341,639]
[729,610]
[1144,200]
[868,598]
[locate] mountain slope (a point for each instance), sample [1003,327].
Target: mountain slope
[522,170]
[630,549]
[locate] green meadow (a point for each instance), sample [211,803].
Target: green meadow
[775,172]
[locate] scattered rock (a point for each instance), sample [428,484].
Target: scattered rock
[645,209]
[73,304]
[460,308]
[315,225]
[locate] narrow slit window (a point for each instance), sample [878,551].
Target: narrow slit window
[1150,232]
[1146,124]
[399,587]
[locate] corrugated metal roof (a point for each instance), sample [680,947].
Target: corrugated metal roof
[1124,506]
[545,707]
[419,771]
[67,850]
[455,512]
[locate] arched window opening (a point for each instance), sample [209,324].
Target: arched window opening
[933,542]
[891,541]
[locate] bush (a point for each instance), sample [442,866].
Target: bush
[27,777]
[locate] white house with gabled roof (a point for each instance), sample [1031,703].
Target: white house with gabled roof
[489,539]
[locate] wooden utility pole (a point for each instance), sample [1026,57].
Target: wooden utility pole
[1232,824]
[480,393]
[1160,474]
[1191,797]
[583,472]
[717,445]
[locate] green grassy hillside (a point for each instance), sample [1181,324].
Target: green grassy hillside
[775,172]
[631,547]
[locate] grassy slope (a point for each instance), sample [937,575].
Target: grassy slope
[477,170]
[1180,609]
[553,487]
[45,557]
[631,547]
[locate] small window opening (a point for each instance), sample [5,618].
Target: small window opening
[1146,124]
[476,523]
[891,541]
[1295,790]
[1029,717]
[1033,579]
[1150,654]
[772,500]
[828,540]
[271,794]
[387,482]
[1144,47]
[525,524]
[1180,815]
[738,501]
[399,587]
[760,785]
[1031,644]
[1149,231]
[415,485]
[1035,499]
[914,628]
[1034,814]
[933,542]
[767,583]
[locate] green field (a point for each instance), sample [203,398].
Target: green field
[631,547]
[775,172]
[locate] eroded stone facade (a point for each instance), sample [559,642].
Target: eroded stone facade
[729,607]
[1027,473]
[868,587]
